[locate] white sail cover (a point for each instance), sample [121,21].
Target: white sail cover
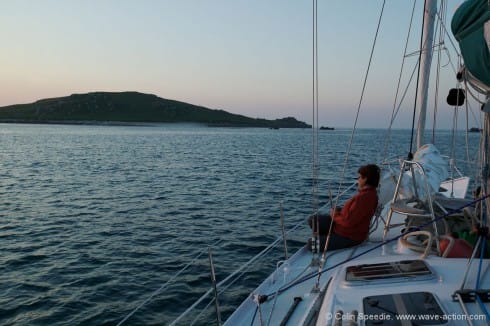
[436,170]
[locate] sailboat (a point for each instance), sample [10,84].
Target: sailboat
[413,269]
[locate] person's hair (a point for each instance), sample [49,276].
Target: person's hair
[371,173]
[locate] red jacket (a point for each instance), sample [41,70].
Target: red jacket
[353,220]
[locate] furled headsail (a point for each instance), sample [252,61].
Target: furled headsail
[471,28]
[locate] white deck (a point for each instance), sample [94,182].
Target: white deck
[348,297]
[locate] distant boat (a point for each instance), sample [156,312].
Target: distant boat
[475,129]
[327,128]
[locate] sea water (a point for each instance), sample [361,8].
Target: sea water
[96,219]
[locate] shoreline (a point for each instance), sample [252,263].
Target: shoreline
[136,123]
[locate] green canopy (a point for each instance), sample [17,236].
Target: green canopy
[468,28]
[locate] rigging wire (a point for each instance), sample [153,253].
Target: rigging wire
[164,285]
[315,160]
[422,46]
[440,45]
[453,133]
[466,133]
[347,154]
[473,165]
[441,15]
[405,92]
[395,110]
[485,208]
[315,98]
[467,125]
[477,120]
[476,86]
[444,35]
[448,34]
[236,272]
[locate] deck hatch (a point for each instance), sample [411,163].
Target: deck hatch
[416,308]
[389,270]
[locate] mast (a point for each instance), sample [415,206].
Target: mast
[430,9]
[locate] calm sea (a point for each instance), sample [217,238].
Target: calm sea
[95,219]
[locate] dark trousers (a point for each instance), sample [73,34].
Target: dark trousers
[336,241]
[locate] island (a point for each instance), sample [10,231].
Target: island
[327,128]
[130,108]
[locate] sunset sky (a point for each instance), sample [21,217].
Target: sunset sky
[250,57]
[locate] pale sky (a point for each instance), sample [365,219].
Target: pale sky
[250,57]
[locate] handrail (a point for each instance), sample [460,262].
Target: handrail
[420,168]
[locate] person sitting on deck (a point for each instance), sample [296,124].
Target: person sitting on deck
[351,223]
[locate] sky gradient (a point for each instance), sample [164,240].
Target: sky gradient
[250,57]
